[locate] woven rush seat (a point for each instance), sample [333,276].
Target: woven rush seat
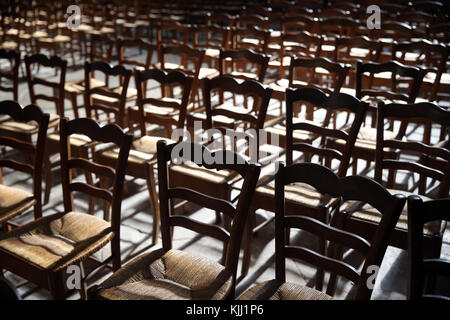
[77,140]
[78,85]
[372,215]
[430,77]
[367,138]
[13,201]
[143,149]
[57,241]
[28,127]
[296,193]
[276,290]
[190,170]
[174,275]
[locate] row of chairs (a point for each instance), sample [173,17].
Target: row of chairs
[168,273]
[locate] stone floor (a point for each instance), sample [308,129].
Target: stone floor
[137,226]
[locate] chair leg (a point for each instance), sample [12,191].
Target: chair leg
[248,243]
[56,285]
[151,186]
[83,288]
[48,177]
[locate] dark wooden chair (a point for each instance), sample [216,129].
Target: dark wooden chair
[172,33]
[101,48]
[320,73]
[41,250]
[429,163]
[57,88]
[302,136]
[165,112]
[212,39]
[15,200]
[102,103]
[12,75]
[367,90]
[343,188]
[419,269]
[252,38]
[186,275]
[243,64]
[188,60]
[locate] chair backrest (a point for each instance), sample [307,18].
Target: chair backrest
[303,66]
[109,133]
[420,213]
[252,60]
[432,161]
[298,23]
[355,188]
[101,49]
[253,38]
[211,37]
[398,71]
[251,117]
[353,49]
[425,54]
[165,79]
[33,153]
[222,19]
[173,33]
[302,44]
[103,98]
[338,26]
[249,20]
[393,30]
[124,46]
[312,131]
[236,212]
[189,59]
[12,74]
[55,87]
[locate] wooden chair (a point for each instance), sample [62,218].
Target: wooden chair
[419,214]
[350,50]
[187,275]
[430,56]
[392,72]
[212,39]
[253,64]
[173,33]
[188,60]
[57,88]
[102,103]
[312,139]
[166,112]
[302,44]
[343,188]
[428,162]
[41,250]
[100,49]
[311,72]
[252,38]
[15,200]
[13,58]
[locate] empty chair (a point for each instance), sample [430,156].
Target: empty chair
[420,213]
[326,182]
[14,200]
[168,273]
[166,112]
[311,139]
[400,161]
[41,250]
